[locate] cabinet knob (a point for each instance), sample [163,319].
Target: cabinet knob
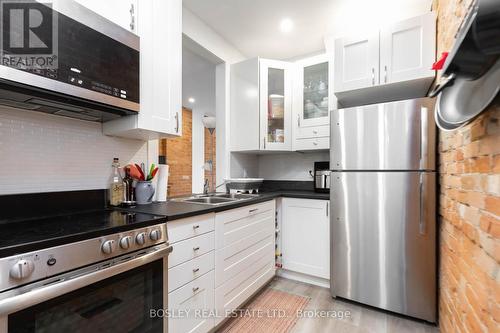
[196,248]
[196,270]
[196,226]
[195,289]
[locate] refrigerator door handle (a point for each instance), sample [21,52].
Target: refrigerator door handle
[424,132]
[423,206]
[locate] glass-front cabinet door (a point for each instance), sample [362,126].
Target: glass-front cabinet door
[313,91]
[275,105]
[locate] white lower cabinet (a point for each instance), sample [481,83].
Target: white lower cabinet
[305,237]
[191,304]
[218,262]
[244,254]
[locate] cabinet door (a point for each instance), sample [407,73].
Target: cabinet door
[312,100]
[305,236]
[192,304]
[275,105]
[160,29]
[121,12]
[407,49]
[356,62]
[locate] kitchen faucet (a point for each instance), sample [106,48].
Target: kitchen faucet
[205,186]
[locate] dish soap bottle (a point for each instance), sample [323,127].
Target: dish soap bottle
[116,187]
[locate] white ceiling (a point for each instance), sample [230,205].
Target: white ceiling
[252,26]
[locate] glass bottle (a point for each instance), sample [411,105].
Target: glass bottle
[116,186]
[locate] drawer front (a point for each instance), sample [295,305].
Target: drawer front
[312,144]
[231,260]
[232,231]
[191,248]
[239,213]
[179,230]
[195,296]
[236,291]
[312,132]
[190,270]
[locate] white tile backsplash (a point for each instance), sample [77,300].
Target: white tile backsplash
[46,153]
[276,166]
[290,166]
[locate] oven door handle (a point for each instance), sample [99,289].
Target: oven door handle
[75,280]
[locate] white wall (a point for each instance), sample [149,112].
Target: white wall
[204,35]
[198,81]
[200,33]
[46,153]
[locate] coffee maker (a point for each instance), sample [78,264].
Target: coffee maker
[322,177]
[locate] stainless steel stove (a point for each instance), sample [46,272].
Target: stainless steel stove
[107,283]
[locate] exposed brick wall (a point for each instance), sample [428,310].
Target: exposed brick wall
[210,144]
[469,209]
[179,157]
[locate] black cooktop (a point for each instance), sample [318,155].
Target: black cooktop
[39,233]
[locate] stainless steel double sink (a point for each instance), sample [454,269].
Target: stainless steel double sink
[216,198]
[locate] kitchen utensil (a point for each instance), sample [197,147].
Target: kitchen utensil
[134,171]
[151,170]
[144,192]
[129,195]
[141,172]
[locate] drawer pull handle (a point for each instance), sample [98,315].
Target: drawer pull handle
[196,270]
[195,289]
[196,248]
[253,210]
[196,226]
[315,132]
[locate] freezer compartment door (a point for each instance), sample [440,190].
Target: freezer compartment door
[389,136]
[383,240]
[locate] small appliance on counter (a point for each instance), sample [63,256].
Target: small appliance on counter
[322,177]
[243,185]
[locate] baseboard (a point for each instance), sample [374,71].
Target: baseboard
[316,281]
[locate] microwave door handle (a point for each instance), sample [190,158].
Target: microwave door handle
[36,296]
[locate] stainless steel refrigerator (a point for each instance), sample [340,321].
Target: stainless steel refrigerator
[383,206]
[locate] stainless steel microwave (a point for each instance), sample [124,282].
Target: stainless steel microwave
[61,58]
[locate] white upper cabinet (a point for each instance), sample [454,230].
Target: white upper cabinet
[356,62]
[313,99]
[387,64]
[121,12]
[159,25]
[408,49]
[261,105]
[275,105]
[312,96]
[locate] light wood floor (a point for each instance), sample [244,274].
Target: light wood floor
[363,319]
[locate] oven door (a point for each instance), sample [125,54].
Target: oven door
[118,295]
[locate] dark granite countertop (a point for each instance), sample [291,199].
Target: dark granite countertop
[33,221]
[174,210]
[35,234]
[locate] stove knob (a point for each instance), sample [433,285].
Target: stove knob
[140,238]
[155,235]
[108,246]
[22,269]
[125,242]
